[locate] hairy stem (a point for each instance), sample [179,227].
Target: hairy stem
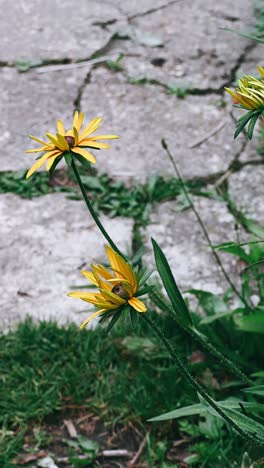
[194,384]
[194,334]
[200,221]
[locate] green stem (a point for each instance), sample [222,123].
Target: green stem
[205,344]
[195,385]
[200,221]
[92,211]
[156,298]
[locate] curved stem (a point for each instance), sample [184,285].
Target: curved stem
[205,344]
[92,211]
[195,385]
[200,221]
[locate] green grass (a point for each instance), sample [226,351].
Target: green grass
[109,196]
[124,376]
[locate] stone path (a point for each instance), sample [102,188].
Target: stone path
[176,44]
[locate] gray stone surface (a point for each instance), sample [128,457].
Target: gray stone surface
[45,241]
[44,244]
[142,115]
[194,45]
[31,104]
[52,29]
[247,190]
[186,248]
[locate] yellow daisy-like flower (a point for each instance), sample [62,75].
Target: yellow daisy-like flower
[117,287]
[250,92]
[74,140]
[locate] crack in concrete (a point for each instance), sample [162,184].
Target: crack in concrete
[104,24]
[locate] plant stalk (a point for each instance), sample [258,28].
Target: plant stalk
[92,211]
[195,385]
[200,221]
[204,344]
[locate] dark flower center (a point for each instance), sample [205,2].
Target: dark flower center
[70,140]
[120,291]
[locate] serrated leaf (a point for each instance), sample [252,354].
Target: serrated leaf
[177,301]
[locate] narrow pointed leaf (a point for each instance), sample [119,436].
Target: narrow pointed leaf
[251,125]
[114,319]
[177,301]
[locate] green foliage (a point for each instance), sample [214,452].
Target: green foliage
[115,65]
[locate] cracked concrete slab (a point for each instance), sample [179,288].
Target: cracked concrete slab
[247,190]
[45,242]
[142,115]
[33,30]
[195,48]
[185,246]
[31,103]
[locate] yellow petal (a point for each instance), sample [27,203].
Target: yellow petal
[51,160]
[137,304]
[93,144]
[36,150]
[121,267]
[88,156]
[90,276]
[93,298]
[111,297]
[78,120]
[60,127]
[238,98]
[105,137]
[54,140]
[92,317]
[38,140]
[76,136]
[261,70]
[91,127]
[102,271]
[37,165]
[62,142]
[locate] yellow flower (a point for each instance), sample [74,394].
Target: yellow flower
[115,289]
[74,140]
[250,92]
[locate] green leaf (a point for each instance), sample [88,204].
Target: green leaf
[145,290]
[242,122]
[257,390]
[179,307]
[200,408]
[114,319]
[54,165]
[246,423]
[243,34]
[83,161]
[252,323]
[68,157]
[234,249]
[251,125]
[133,317]
[88,445]
[220,315]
